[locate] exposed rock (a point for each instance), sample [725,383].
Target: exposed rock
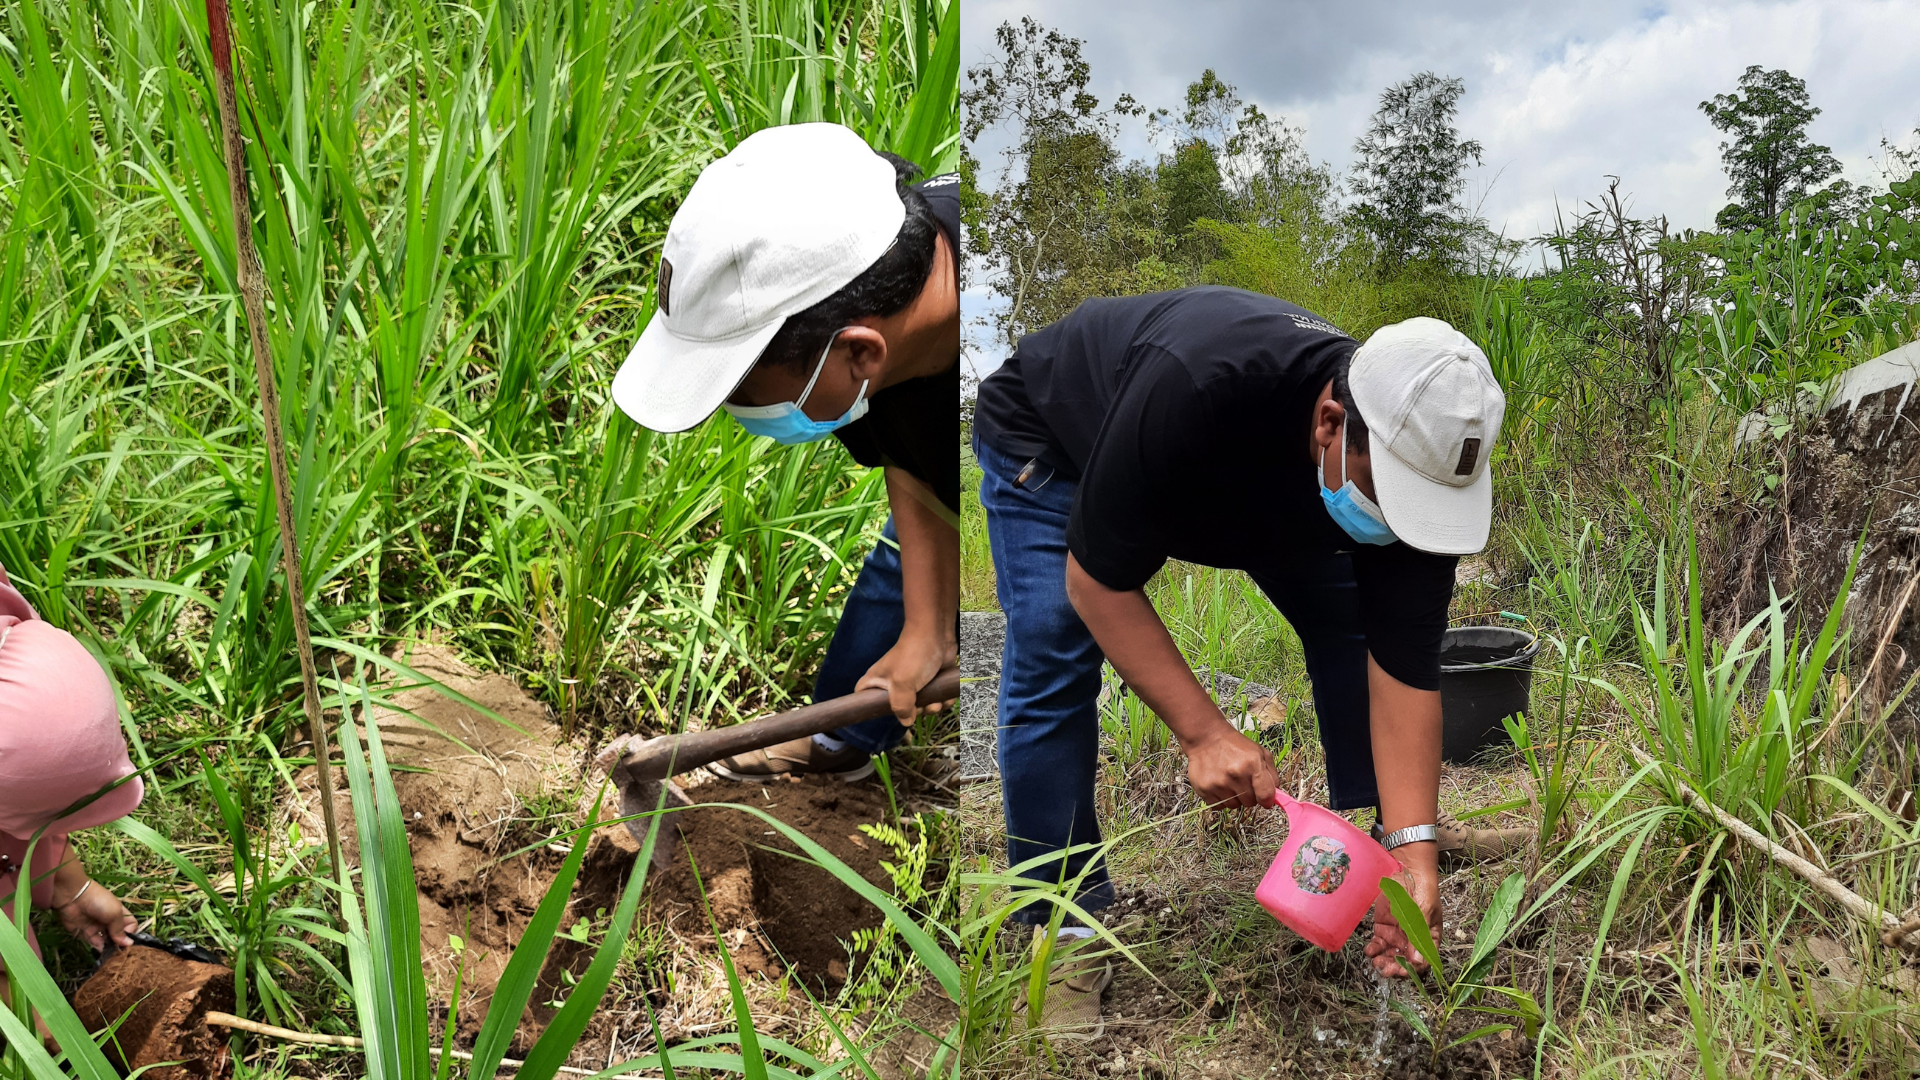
[983,635]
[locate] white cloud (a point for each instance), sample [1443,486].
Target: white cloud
[1560,94]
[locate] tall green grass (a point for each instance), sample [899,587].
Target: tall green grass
[458,210]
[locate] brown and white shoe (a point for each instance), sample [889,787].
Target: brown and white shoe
[1077,975]
[1460,842]
[796,757]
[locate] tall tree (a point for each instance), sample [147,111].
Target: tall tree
[1232,162]
[1409,168]
[1900,160]
[1191,185]
[1769,159]
[1189,178]
[1064,217]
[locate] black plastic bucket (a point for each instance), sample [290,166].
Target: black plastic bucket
[1486,673]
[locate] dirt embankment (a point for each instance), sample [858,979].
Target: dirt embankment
[1855,469]
[472,789]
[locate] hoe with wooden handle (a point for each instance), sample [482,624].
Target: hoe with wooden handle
[642,767]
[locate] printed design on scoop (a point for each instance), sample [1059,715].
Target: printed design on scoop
[1320,866]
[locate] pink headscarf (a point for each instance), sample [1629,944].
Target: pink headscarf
[60,739]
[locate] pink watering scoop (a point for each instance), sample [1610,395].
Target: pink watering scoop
[1326,876]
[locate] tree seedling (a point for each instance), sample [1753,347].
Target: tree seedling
[1449,996]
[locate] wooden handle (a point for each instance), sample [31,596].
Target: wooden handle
[658,759]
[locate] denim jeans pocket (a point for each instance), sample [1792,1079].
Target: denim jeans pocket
[1033,476]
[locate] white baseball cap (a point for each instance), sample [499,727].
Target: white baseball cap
[787,219]
[1433,410]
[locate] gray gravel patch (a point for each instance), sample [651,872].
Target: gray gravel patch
[983,634]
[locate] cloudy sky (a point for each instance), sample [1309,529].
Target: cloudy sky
[1561,94]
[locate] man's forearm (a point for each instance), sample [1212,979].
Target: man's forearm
[1405,723]
[1138,646]
[929,561]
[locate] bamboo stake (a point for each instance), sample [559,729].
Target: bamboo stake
[348,1042]
[1858,906]
[253,300]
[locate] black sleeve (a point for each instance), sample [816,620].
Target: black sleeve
[1404,596]
[1146,444]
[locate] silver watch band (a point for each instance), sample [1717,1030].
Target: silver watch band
[1412,834]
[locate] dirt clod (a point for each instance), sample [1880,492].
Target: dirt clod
[793,914]
[169,999]
[464,779]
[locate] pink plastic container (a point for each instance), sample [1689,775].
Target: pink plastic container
[1326,876]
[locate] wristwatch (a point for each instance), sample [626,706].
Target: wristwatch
[1412,834]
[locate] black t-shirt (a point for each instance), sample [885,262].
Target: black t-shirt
[1185,415]
[915,425]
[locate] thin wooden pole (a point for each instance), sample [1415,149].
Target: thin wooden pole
[345,1042]
[253,287]
[1858,906]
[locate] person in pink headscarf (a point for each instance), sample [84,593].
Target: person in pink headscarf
[60,741]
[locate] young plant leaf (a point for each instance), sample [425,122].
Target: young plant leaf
[1413,923]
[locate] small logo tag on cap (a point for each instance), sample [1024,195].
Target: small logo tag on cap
[666,283]
[1469,455]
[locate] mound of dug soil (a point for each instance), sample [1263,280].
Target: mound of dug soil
[776,912]
[463,779]
[464,801]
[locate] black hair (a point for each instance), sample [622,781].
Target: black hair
[885,288]
[1342,393]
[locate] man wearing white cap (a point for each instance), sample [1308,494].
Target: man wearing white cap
[1235,430]
[805,287]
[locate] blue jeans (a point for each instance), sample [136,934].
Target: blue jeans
[875,613]
[1049,724]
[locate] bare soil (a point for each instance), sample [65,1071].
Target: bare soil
[463,778]
[1489,1058]
[467,805]
[777,911]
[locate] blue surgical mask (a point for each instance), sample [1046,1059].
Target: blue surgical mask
[786,424]
[1357,515]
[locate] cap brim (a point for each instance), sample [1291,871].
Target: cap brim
[1439,518]
[671,383]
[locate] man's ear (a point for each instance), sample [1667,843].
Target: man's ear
[866,352]
[1327,416]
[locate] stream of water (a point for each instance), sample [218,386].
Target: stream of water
[1383,987]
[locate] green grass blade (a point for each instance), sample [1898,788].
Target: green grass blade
[931,134]
[37,988]
[1413,923]
[753,1059]
[522,974]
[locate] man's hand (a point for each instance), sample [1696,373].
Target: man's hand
[98,916]
[1229,770]
[930,593]
[911,664]
[1392,954]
